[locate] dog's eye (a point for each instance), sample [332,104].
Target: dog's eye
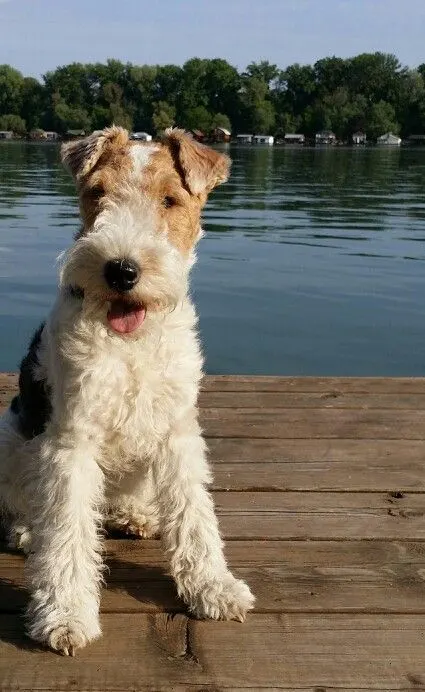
[97,192]
[168,202]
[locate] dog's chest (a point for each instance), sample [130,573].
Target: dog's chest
[137,395]
[125,395]
[139,417]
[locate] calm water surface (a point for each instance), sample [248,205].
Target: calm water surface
[313,261]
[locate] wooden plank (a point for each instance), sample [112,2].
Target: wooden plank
[319,475]
[341,399]
[406,506]
[212,687]
[321,464]
[301,577]
[269,553]
[401,452]
[271,650]
[341,516]
[259,383]
[314,423]
[206,687]
[246,553]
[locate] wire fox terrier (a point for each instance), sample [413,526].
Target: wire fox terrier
[105,426]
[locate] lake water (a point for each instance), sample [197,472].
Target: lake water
[313,261]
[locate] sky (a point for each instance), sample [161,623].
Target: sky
[38,35]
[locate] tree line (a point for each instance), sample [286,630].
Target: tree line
[371,92]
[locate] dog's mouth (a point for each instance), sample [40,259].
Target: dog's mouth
[125,317]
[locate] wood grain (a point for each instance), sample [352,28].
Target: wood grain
[159,651]
[314,423]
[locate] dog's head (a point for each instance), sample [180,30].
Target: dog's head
[141,208]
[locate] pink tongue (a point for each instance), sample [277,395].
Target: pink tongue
[124,317]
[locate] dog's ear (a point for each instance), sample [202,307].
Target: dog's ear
[83,154]
[201,168]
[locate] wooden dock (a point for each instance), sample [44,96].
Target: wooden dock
[320,489]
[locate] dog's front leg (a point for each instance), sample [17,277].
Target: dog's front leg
[190,530]
[64,566]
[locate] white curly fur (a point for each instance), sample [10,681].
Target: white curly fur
[123,443]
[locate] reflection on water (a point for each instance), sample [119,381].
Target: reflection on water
[312,262]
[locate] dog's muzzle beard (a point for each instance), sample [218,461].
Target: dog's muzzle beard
[125,313]
[123,274]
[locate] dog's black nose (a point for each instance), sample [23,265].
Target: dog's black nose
[121,274]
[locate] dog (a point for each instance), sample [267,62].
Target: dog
[105,426]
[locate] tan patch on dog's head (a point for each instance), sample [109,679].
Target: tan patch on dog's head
[98,163]
[180,176]
[201,167]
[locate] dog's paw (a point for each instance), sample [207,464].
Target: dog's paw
[19,538]
[64,637]
[137,525]
[223,599]
[67,638]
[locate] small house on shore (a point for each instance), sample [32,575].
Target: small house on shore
[6,134]
[359,138]
[294,138]
[141,136]
[244,139]
[220,134]
[40,135]
[388,139]
[326,137]
[263,139]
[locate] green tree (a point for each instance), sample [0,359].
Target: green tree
[381,118]
[197,118]
[330,75]
[163,116]
[13,123]
[221,85]
[410,104]
[112,96]
[374,75]
[286,123]
[72,84]
[264,71]
[193,89]
[221,120]
[139,94]
[259,111]
[295,90]
[342,113]
[100,117]
[69,117]
[11,83]
[33,107]
[168,84]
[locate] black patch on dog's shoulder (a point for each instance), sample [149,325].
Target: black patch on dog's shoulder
[32,405]
[14,405]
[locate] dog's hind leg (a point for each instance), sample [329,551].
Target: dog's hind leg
[132,507]
[19,536]
[14,476]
